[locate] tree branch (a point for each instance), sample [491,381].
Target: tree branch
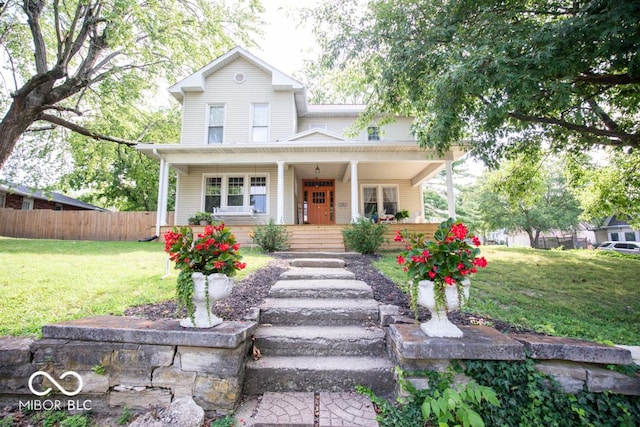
[32,9]
[618,138]
[606,119]
[607,79]
[83,131]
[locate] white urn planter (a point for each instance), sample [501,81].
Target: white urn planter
[219,287]
[439,325]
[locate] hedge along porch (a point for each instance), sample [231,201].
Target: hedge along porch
[250,139]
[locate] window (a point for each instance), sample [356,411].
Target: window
[260,130]
[27,204]
[373,133]
[235,191]
[390,200]
[1,200]
[216,124]
[615,237]
[370,198]
[225,190]
[629,236]
[258,193]
[212,193]
[380,199]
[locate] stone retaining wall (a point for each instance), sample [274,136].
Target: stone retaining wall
[125,362]
[141,364]
[577,365]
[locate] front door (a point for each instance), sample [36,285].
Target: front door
[319,201]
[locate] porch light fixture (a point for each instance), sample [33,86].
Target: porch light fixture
[317,170]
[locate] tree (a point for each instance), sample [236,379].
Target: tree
[504,75]
[118,176]
[612,187]
[528,195]
[64,55]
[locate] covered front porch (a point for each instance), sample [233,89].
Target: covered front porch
[324,183]
[318,238]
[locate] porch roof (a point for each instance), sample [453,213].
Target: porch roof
[376,160]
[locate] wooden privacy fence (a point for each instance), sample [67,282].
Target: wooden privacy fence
[78,225]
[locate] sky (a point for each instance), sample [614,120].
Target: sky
[286,42]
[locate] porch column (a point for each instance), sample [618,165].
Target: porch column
[450,196]
[280,194]
[163,190]
[354,191]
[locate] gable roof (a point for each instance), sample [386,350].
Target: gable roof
[279,80]
[316,133]
[52,196]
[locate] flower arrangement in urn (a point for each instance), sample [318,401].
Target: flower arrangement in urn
[445,263]
[203,257]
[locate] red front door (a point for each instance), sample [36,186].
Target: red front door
[319,201]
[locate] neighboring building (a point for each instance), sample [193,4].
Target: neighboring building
[583,237]
[252,148]
[616,230]
[14,196]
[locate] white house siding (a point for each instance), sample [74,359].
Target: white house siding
[400,130]
[190,197]
[237,99]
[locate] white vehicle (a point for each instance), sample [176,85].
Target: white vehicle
[622,247]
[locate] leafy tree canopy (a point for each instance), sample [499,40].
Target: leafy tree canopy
[67,60]
[528,194]
[507,76]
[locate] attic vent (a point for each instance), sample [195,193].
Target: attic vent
[239,78]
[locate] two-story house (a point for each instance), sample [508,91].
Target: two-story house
[253,148]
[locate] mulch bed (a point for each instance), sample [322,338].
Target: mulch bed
[253,289]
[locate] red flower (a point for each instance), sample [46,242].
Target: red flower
[460,231]
[398,236]
[475,241]
[432,274]
[480,262]
[449,281]
[400,259]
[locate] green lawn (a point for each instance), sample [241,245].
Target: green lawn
[45,281]
[580,294]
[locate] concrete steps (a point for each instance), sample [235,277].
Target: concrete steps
[327,373]
[318,288]
[319,333]
[319,312]
[321,341]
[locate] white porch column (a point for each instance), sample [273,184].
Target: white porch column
[163,190]
[280,194]
[451,199]
[354,191]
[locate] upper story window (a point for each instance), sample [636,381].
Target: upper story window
[260,123]
[373,133]
[216,124]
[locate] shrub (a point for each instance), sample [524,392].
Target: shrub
[364,236]
[271,237]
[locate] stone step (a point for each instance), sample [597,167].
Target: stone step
[317,262]
[316,374]
[310,273]
[320,341]
[321,312]
[327,288]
